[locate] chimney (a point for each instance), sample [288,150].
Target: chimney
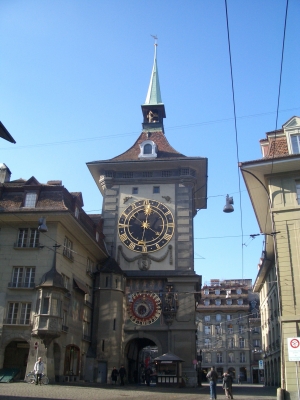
[4,173]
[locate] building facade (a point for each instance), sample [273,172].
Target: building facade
[46,276]
[85,309]
[227,333]
[149,204]
[273,184]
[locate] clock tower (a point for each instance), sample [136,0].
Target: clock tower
[151,193]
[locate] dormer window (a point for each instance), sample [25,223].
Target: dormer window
[30,199]
[292,132]
[148,149]
[295,141]
[76,212]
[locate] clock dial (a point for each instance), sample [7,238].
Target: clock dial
[144,308]
[146,226]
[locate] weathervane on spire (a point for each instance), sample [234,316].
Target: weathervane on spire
[155,38]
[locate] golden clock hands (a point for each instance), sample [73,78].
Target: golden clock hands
[156,233]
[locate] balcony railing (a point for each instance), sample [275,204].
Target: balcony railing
[25,246]
[21,285]
[17,321]
[223,306]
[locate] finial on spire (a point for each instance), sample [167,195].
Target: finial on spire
[155,38]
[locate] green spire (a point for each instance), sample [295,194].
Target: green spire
[153,95]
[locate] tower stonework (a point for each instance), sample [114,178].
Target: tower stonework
[151,193]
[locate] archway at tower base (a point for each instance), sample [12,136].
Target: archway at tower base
[140,354]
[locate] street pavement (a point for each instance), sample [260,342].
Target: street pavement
[81,391]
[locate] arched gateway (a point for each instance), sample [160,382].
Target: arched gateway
[140,354]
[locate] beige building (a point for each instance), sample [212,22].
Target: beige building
[46,295]
[273,183]
[228,335]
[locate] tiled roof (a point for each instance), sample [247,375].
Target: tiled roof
[278,147]
[50,198]
[164,149]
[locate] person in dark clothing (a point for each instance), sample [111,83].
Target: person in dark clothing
[227,384]
[212,376]
[122,373]
[148,375]
[114,375]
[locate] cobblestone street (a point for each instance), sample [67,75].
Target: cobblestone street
[21,391]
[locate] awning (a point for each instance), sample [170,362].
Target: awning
[79,285]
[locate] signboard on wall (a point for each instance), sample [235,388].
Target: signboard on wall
[294,348]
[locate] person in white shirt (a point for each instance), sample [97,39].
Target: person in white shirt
[38,370]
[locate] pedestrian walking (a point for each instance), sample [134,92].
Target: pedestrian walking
[148,375]
[240,377]
[212,376]
[227,384]
[38,370]
[114,375]
[122,373]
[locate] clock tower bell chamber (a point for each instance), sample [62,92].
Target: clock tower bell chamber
[151,193]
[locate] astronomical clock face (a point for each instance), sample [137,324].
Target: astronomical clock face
[146,226]
[144,308]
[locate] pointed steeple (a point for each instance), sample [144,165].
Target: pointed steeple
[153,109]
[154,95]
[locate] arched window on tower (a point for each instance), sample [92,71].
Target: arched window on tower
[148,149]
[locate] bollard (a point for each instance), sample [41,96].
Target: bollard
[280,394]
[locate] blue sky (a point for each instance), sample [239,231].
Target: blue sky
[74,74]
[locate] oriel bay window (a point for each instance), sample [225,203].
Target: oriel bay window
[49,305]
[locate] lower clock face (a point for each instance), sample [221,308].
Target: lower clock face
[144,308]
[146,226]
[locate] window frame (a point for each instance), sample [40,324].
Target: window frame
[242,357]
[23,277]
[68,248]
[207,329]
[295,142]
[28,238]
[18,313]
[152,153]
[30,200]
[297,184]
[219,357]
